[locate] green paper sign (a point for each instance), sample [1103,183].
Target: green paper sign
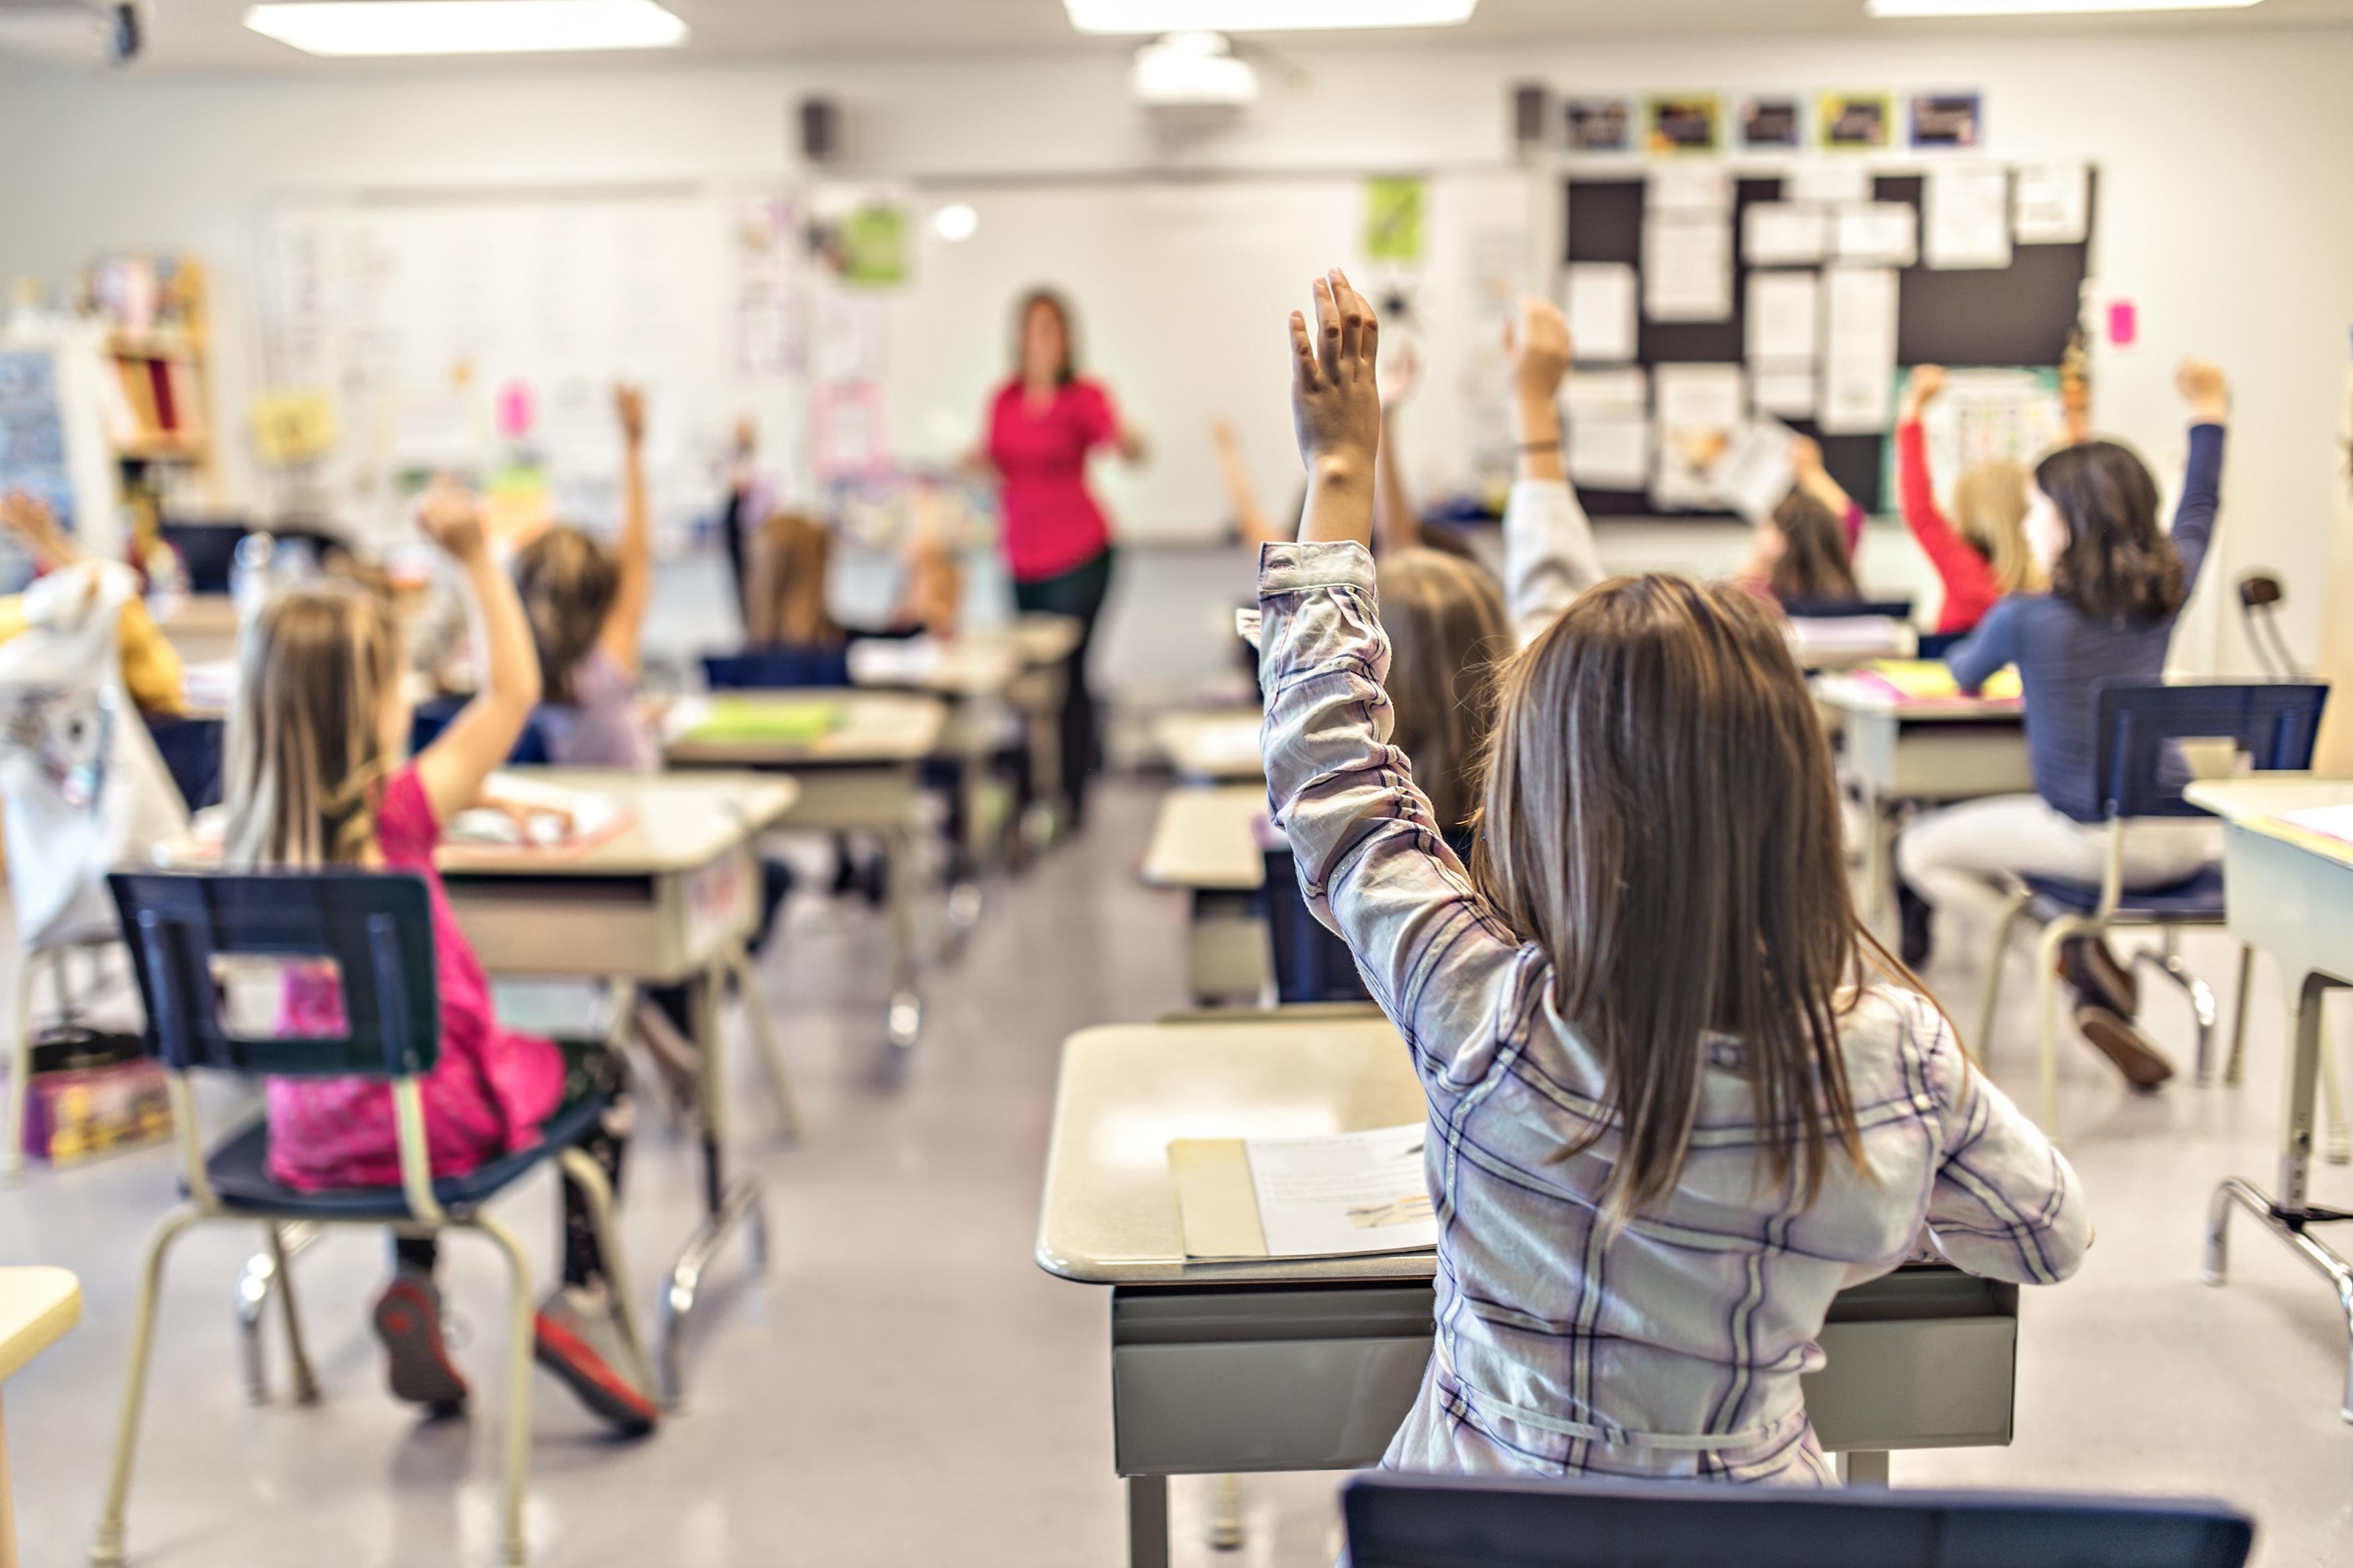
[874,248]
[1393,218]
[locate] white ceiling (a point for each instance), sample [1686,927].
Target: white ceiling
[207,34]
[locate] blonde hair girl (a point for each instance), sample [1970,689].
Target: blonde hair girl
[1980,552]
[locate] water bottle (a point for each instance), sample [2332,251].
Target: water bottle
[249,583]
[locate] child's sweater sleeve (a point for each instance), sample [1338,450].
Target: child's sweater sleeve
[2004,1203]
[2202,497]
[1373,865]
[1966,573]
[1548,554]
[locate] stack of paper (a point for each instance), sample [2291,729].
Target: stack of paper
[2329,821]
[1335,1196]
[518,811]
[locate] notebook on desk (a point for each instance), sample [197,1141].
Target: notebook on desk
[1333,1196]
[1929,680]
[787,722]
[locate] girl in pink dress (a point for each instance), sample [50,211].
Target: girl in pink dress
[317,776]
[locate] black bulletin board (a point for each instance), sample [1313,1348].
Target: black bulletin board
[2017,315]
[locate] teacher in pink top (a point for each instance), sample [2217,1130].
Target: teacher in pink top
[1043,424]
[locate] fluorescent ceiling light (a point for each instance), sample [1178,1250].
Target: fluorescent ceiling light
[466,26]
[2041,7]
[1261,16]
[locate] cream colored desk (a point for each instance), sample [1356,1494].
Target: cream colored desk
[1205,840]
[1943,749]
[977,673]
[37,1307]
[863,776]
[1213,746]
[2291,894]
[1312,1363]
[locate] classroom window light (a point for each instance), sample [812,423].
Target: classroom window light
[351,27]
[1261,16]
[1896,8]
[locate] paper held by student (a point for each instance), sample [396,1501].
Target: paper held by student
[1756,472]
[1602,304]
[1338,1195]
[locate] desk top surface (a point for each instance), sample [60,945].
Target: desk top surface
[1211,744]
[37,1305]
[975,664]
[677,822]
[875,727]
[1109,1213]
[1853,694]
[2255,803]
[1205,837]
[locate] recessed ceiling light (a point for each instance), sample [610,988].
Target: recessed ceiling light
[466,26]
[955,221]
[1261,16]
[2041,7]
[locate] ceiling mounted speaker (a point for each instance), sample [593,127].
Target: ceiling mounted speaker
[820,129]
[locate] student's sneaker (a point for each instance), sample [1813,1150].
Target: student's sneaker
[2142,1064]
[416,1358]
[2086,963]
[579,1339]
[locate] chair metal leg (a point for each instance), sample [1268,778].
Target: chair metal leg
[743,1203]
[254,1286]
[2167,961]
[590,1175]
[764,1036]
[107,1550]
[298,1358]
[2339,1148]
[904,1018]
[2293,1229]
[523,1312]
[2013,906]
[2231,1069]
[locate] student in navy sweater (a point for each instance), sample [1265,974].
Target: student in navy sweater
[2118,583]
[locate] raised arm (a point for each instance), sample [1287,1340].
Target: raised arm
[1373,865]
[1955,560]
[2208,393]
[1814,479]
[624,623]
[479,740]
[1549,552]
[1974,659]
[1396,525]
[2004,1203]
[1250,515]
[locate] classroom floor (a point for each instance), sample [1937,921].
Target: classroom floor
[907,1387]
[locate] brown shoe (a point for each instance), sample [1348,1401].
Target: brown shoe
[2144,1067]
[2086,963]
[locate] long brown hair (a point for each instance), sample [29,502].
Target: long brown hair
[1660,818]
[1045,299]
[1814,565]
[306,760]
[1448,634]
[1990,514]
[2118,564]
[791,560]
[567,582]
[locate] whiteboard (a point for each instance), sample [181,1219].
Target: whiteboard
[1182,291]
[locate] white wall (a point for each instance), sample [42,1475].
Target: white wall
[2225,162]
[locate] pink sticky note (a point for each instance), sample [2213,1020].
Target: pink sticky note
[2124,323]
[515,410]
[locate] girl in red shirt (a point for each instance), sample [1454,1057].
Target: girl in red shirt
[1985,556]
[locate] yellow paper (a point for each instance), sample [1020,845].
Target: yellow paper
[1918,680]
[293,426]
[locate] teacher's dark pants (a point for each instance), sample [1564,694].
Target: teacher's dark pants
[1078,593]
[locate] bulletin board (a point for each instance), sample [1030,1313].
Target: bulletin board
[2017,315]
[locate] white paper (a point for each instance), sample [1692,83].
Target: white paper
[1843,182]
[1626,391]
[1688,187]
[1609,449]
[1687,268]
[1774,234]
[1967,216]
[2053,204]
[1356,1192]
[1787,393]
[1858,348]
[1881,234]
[2329,821]
[1756,472]
[1601,311]
[1781,321]
[517,811]
[1699,409]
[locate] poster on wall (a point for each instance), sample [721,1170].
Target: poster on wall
[33,432]
[1856,122]
[764,240]
[1393,206]
[1683,123]
[1599,125]
[1951,120]
[1772,122]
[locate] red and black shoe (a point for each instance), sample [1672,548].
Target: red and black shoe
[579,1338]
[416,1358]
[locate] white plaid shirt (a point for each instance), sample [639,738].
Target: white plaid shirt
[1675,1349]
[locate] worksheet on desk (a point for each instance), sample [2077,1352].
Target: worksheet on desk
[1352,1192]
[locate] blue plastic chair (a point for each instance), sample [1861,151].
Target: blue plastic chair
[777,667]
[1311,964]
[427,720]
[2143,764]
[190,937]
[1447,1521]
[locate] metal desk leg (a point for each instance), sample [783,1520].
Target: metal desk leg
[726,1203]
[904,1017]
[1878,855]
[2291,1217]
[1147,1521]
[764,1035]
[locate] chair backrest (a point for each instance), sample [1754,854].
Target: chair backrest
[1433,1521]
[429,719]
[1311,965]
[1845,609]
[193,936]
[2143,763]
[776,666]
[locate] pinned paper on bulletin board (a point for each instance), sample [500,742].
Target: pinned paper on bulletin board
[1683,123]
[1599,125]
[295,425]
[874,247]
[850,433]
[1856,122]
[1393,206]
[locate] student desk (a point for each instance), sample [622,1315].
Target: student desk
[2291,894]
[1205,840]
[1933,749]
[1215,746]
[1312,1363]
[37,1306]
[864,775]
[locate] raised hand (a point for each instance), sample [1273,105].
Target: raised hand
[1926,385]
[1335,404]
[451,516]
[629,407]
[34,524]
[1539,348]
[2206,391]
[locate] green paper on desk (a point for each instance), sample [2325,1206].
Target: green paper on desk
[756,719]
